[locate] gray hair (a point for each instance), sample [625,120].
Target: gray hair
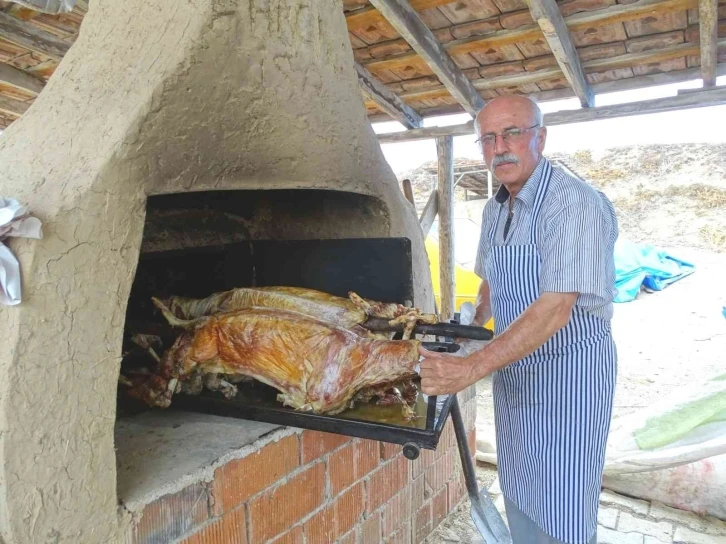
[538,116]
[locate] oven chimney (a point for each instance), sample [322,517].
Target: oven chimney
[154,98]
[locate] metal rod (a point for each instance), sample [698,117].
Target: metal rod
[461,440]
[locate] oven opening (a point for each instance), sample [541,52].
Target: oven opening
[196,245]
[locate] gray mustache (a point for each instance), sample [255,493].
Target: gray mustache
[507,157]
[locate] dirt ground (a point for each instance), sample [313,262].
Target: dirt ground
[673,197]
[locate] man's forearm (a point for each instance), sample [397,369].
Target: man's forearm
[483,305]
[537,324]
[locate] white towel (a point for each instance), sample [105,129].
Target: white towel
[14,221]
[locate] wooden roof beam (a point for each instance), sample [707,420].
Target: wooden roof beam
[410,26]
[708,23]
[612,14]
[386,100]
[549,18]
[26,35]
[711,97]
[14,77]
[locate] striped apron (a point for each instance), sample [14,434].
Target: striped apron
[552,408]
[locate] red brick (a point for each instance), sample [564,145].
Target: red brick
[439,507]
[351,463]
[387,481]
[238,480]
[282,506]
[316,444]
[402,536]
[338,518]
[293,536]
[232,527]
[370,531]
[421,524]
[389,450]
[395,512]
[173,516]
[321,527]
[350,538]
[440,472]
[418,493]
[471,440]
[456,491]
[446,440]
[424,461]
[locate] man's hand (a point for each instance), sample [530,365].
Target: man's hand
[445,374]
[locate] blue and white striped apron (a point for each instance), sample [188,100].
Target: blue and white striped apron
[552,408]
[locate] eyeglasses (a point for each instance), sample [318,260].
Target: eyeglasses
[508,135]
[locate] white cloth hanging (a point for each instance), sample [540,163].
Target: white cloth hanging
[14,221]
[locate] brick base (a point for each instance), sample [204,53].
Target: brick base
[317,488]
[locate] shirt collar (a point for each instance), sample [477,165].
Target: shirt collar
[529,191]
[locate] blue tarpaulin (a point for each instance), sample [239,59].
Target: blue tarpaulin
[639,266]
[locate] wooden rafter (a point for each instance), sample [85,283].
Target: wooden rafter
[24,34]
[596,65]
[14,77]
[708,25]
[549,18]
[386,100]
[13,107]
[370,15]
[610,15]
[637,82]
[409,25]
[711,97]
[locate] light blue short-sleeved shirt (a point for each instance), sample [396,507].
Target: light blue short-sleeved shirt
[576,233]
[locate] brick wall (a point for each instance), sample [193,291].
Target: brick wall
[311,488]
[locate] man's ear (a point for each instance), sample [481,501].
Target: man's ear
[541,139]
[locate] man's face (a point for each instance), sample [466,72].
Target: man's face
[513,158]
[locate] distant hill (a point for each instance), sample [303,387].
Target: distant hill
[667,195]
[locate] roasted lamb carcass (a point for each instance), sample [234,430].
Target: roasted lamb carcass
[351,313]
[316,365]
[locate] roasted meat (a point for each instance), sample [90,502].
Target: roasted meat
[350,313]
[316,365]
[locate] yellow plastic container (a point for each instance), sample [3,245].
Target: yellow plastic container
[467,282]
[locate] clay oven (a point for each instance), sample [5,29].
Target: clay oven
[158,105]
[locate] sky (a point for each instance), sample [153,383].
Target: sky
[697,125]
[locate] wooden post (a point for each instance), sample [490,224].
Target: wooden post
[445,151]
[428,215]
[408,191]
[708,23]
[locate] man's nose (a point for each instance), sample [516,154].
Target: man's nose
[500,145]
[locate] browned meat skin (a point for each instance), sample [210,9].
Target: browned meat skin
[348,313]
[315,365]
[316,304]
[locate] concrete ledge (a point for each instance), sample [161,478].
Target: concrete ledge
[158,453]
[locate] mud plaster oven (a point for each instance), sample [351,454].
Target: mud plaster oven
[164,98]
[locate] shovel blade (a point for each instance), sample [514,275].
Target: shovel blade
[486,517]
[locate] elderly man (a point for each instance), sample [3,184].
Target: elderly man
[546,262]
